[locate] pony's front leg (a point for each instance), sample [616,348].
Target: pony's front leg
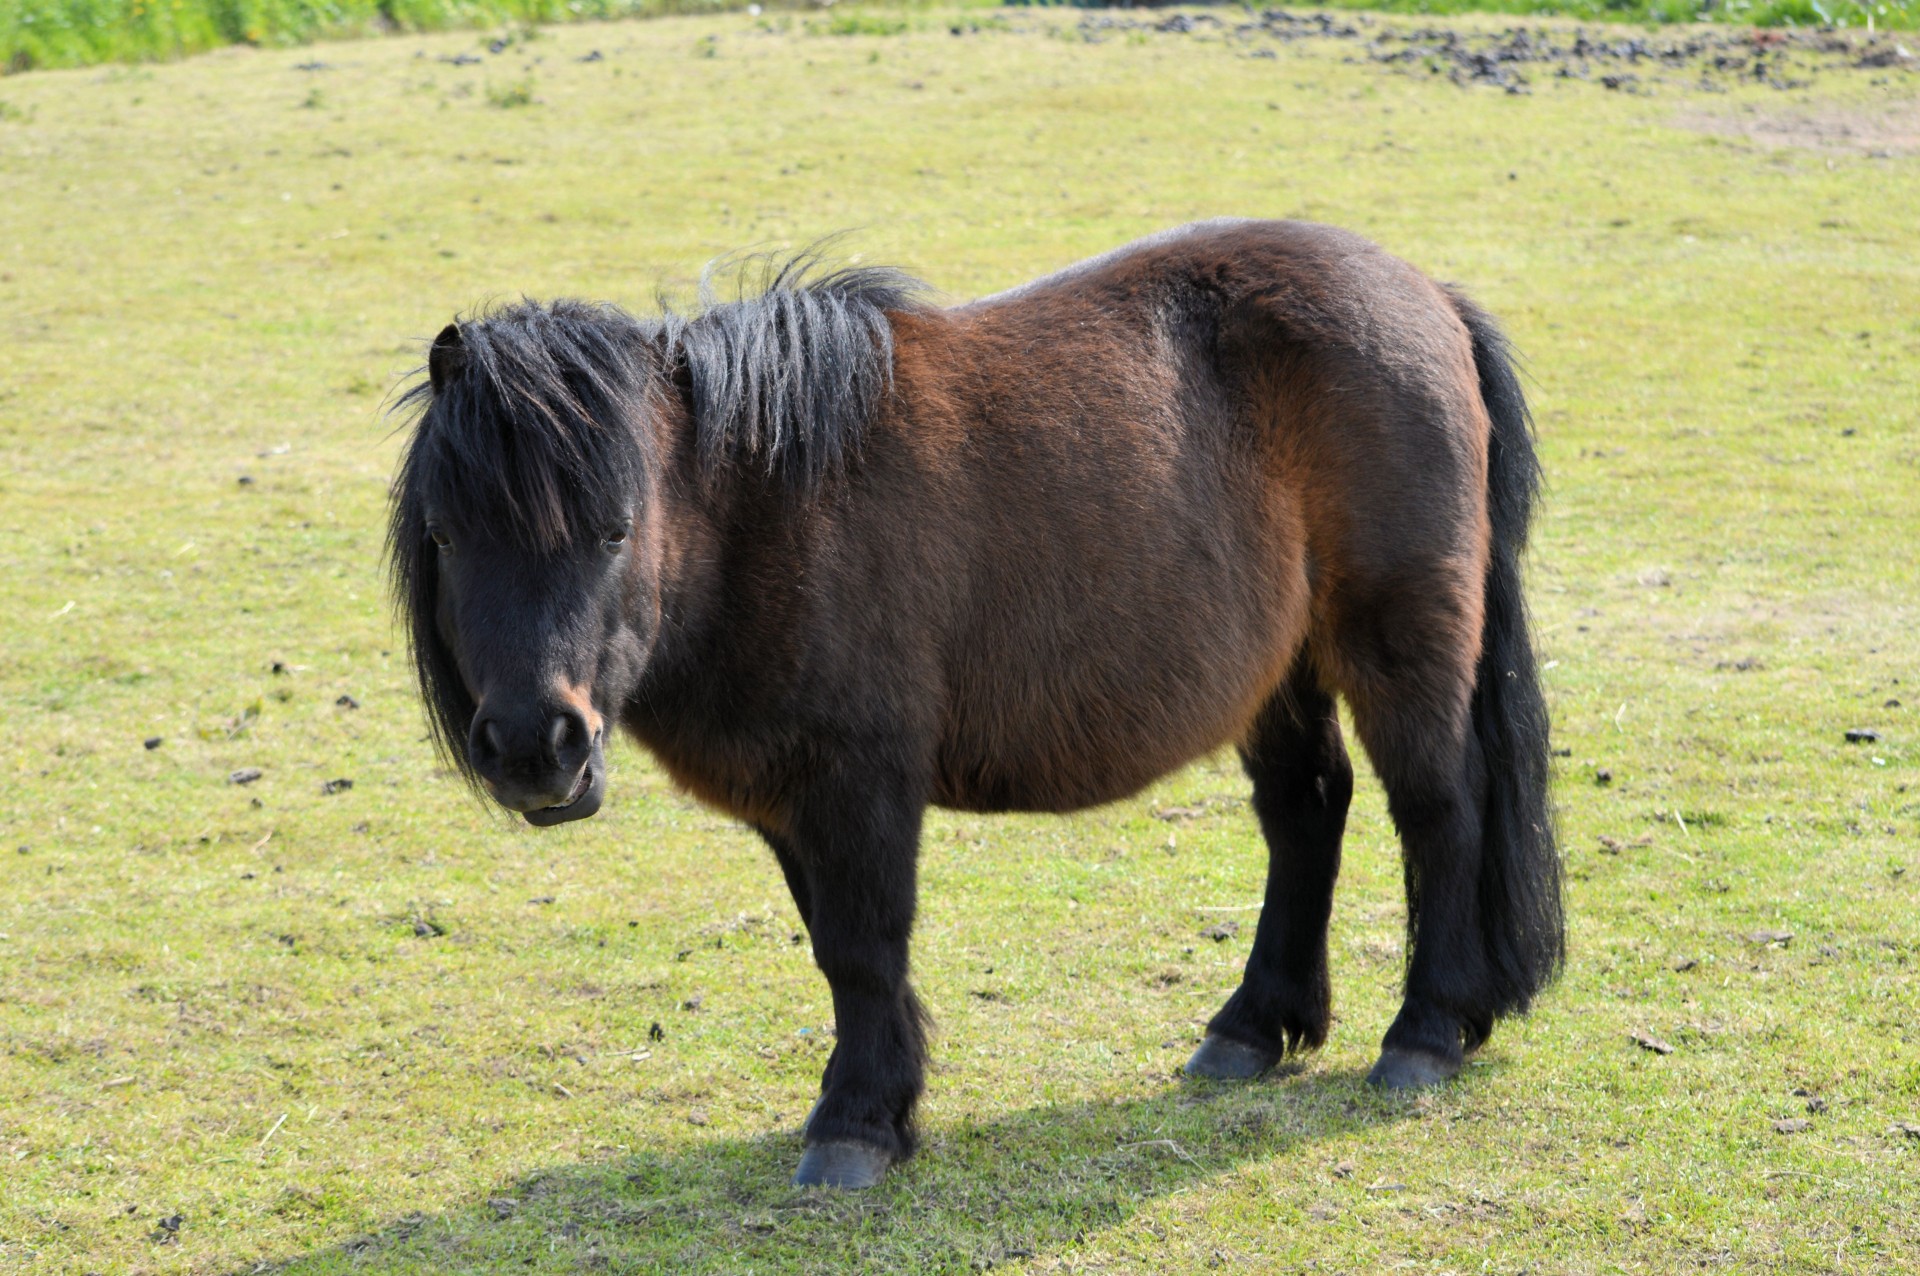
[855,848]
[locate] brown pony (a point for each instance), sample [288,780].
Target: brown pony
[834,554]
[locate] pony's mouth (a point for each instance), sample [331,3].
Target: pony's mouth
[582,802]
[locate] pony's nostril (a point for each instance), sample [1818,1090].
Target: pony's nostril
[482,744]
[569,735]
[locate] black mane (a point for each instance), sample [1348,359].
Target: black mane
[534,422]
[530,424]
[786,379]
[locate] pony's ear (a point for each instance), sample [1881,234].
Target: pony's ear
[679,374]
[446,357]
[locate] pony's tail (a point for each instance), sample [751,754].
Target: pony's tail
[1520,911]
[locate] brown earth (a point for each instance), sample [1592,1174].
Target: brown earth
[1880,129]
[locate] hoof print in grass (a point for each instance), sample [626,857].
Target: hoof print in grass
[245,775]
[1221,932]
[330,787]
[1862,735]
[1603,776]
[1792,1125]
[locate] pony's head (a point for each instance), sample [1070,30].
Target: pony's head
[521,560]
[527,529]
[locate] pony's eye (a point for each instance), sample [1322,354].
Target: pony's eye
[439,535]
[616,538]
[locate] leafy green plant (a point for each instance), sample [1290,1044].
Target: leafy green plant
[514,93]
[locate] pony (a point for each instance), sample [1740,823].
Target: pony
[834,553]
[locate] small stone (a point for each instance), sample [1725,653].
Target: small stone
[1647,1041]
[1603,776]
[1792,1125]
[152,742]
[1862,735]
[245,775]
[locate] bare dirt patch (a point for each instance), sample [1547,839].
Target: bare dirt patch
[1706,58]
[1879,128]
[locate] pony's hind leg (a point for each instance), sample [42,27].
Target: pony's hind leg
[1302,783]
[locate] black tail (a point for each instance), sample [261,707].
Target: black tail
[1520,872]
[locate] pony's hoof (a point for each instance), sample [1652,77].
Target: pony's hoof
[843,1165]
[1410,1070]
[1224,1059]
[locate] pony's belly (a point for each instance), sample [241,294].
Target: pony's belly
[1066,761]
[1032,790]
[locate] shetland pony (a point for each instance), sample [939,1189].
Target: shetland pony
[834,554]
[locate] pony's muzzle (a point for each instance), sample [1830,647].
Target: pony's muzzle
[583,800]
[548,764]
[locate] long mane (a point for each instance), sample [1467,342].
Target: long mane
[786,379]
[537,421]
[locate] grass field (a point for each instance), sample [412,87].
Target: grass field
[384,1030]
[65,33]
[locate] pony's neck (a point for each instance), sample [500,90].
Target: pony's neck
[691,511]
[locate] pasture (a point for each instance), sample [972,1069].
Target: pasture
[272,1021]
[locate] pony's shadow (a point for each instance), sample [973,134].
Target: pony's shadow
[981,1192]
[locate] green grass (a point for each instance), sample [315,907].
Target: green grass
[65,33]
[385,1030]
